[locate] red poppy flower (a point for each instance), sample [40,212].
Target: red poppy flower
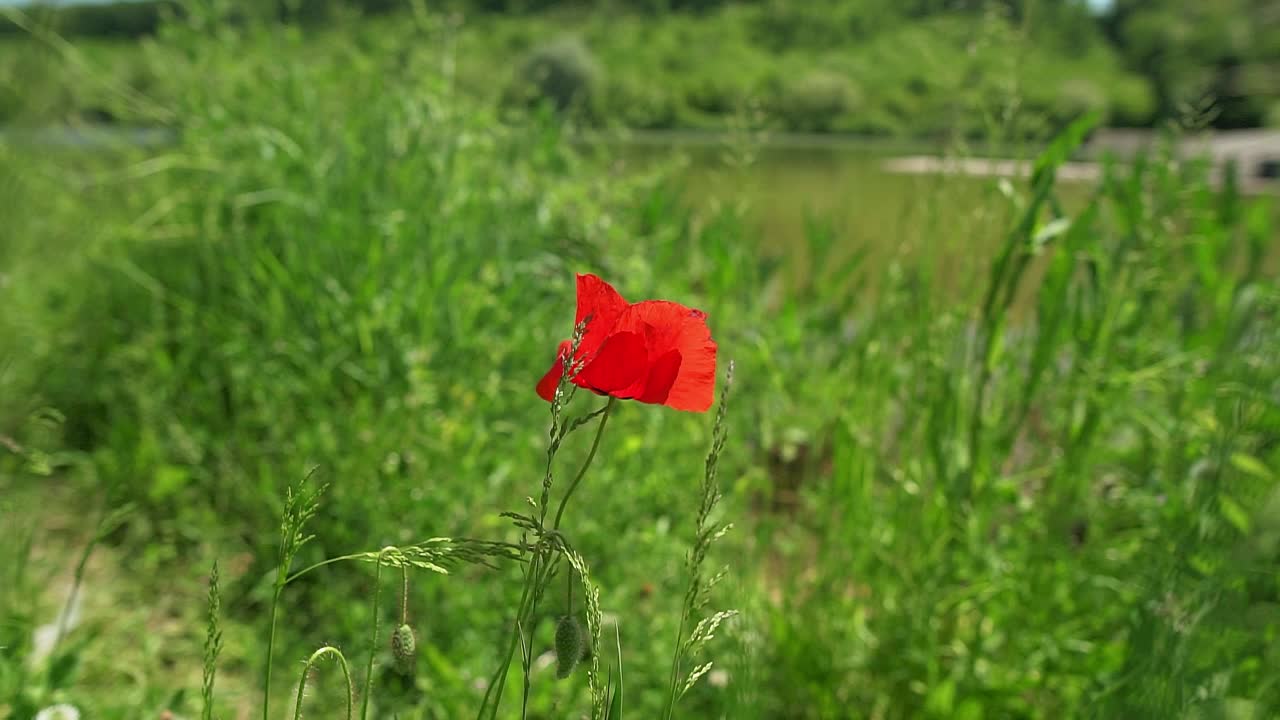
[654,351]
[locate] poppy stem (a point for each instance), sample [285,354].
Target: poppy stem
[591,455]
[537,579]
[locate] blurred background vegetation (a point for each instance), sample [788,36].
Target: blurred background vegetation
[1000,447]
[876,67]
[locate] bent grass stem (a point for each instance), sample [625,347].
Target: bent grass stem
[306,670]
[322,563]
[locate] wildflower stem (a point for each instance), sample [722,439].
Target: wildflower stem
[591,455]
[373,649]
[404,595]
[500,677]
[536,579]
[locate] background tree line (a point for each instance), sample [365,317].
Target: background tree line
[1187,51]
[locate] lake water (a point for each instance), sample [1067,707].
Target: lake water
[948,225]
[844,190]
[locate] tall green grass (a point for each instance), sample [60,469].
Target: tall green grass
[944,508]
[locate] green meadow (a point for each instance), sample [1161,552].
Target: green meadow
[994,448]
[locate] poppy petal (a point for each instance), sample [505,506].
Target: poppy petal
[671,326]
[598,299]
[656,351]
[617,368]
[695,385]
[549,382]
[662,375]
[659,320]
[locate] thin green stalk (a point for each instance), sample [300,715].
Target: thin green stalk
[322,563]
[500,676]
[271,645]
[65,616]
[544,580]
[536,579]
[373,650]
[528,606]
[300,506]
[404,595]
[526,660]
[705,533]
[591,455]
[108,521]
[674,678]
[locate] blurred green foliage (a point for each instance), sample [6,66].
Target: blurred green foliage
[1228,51]
[561,71]
[866,66]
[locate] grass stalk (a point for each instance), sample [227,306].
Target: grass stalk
[212,645]
[373,643]
[271,646]
[300,506]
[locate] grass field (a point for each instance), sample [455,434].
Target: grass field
[994,450]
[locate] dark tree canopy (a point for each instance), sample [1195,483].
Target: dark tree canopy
[1191,52]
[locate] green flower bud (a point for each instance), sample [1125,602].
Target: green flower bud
[569,645]
[404,649]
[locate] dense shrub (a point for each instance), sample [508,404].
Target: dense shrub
[816,102]
[638,103]
[562,71]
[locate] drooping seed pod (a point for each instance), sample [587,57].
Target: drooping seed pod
[404,649]
[569,645]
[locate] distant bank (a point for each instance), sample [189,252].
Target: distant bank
[1253,155]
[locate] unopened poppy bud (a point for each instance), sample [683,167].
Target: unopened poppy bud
[569,645]
[404,648]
